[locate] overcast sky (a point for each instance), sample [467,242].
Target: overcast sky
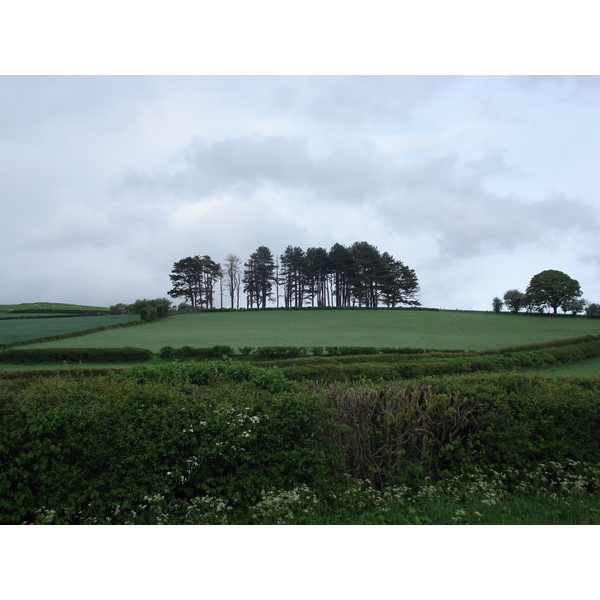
[476,182]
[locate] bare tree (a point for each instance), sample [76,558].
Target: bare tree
[233,278]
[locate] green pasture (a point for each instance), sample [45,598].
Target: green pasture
[591,366]
[379,327]
[44,306]
[16,330]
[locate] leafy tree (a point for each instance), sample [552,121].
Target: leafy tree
[514,300]
[185,278]
[400,284]
[574,306]
[553,289]
[497,304]
[292,276]
[317,270]
[341,266]
[259,276]
[368,274]
[194,279]
[592,310]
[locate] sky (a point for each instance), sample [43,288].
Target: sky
[475,182]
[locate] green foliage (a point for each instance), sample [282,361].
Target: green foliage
[390,367]
[592,310]
[168,352]
[497,304]
[98,450]
[552,289]
[74,355]
[280,352]
[514,300]
[228,442]
[529,419]
[209,372]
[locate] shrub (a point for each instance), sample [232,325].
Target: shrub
[219,351]
[246,350]
[167,352]
[395,429]
[277,352]
[148,313]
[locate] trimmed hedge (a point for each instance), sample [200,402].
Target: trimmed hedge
[168,352]
[99,450]
[90,355]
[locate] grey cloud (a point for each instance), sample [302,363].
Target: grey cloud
[441,195]
[248,163]
[467,219]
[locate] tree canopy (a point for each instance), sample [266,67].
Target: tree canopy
[359,275]
[514,300]
[552,289]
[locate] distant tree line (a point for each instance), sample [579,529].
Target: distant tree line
[149,310]
[355,276]
[549,289]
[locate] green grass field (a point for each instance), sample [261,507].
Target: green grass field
[382,328]
[42,306]
[15,330]
[591,366]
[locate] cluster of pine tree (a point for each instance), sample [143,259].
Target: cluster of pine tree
[354,276]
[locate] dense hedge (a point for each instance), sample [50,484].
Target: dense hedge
[145,443]
[90,355]
[528,419]
[207,373]
[100,450]
[169,352]
[503,422]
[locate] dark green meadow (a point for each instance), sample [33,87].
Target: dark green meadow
[19,329]
[378,328]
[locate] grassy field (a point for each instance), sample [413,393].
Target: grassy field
[43,306]
[591,366]
[15,330]
[382,328]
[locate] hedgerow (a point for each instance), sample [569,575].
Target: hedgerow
[120,449]
[431,428]
[109,450]
[168,352]
[209,372]
[442,364]
[75,355]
